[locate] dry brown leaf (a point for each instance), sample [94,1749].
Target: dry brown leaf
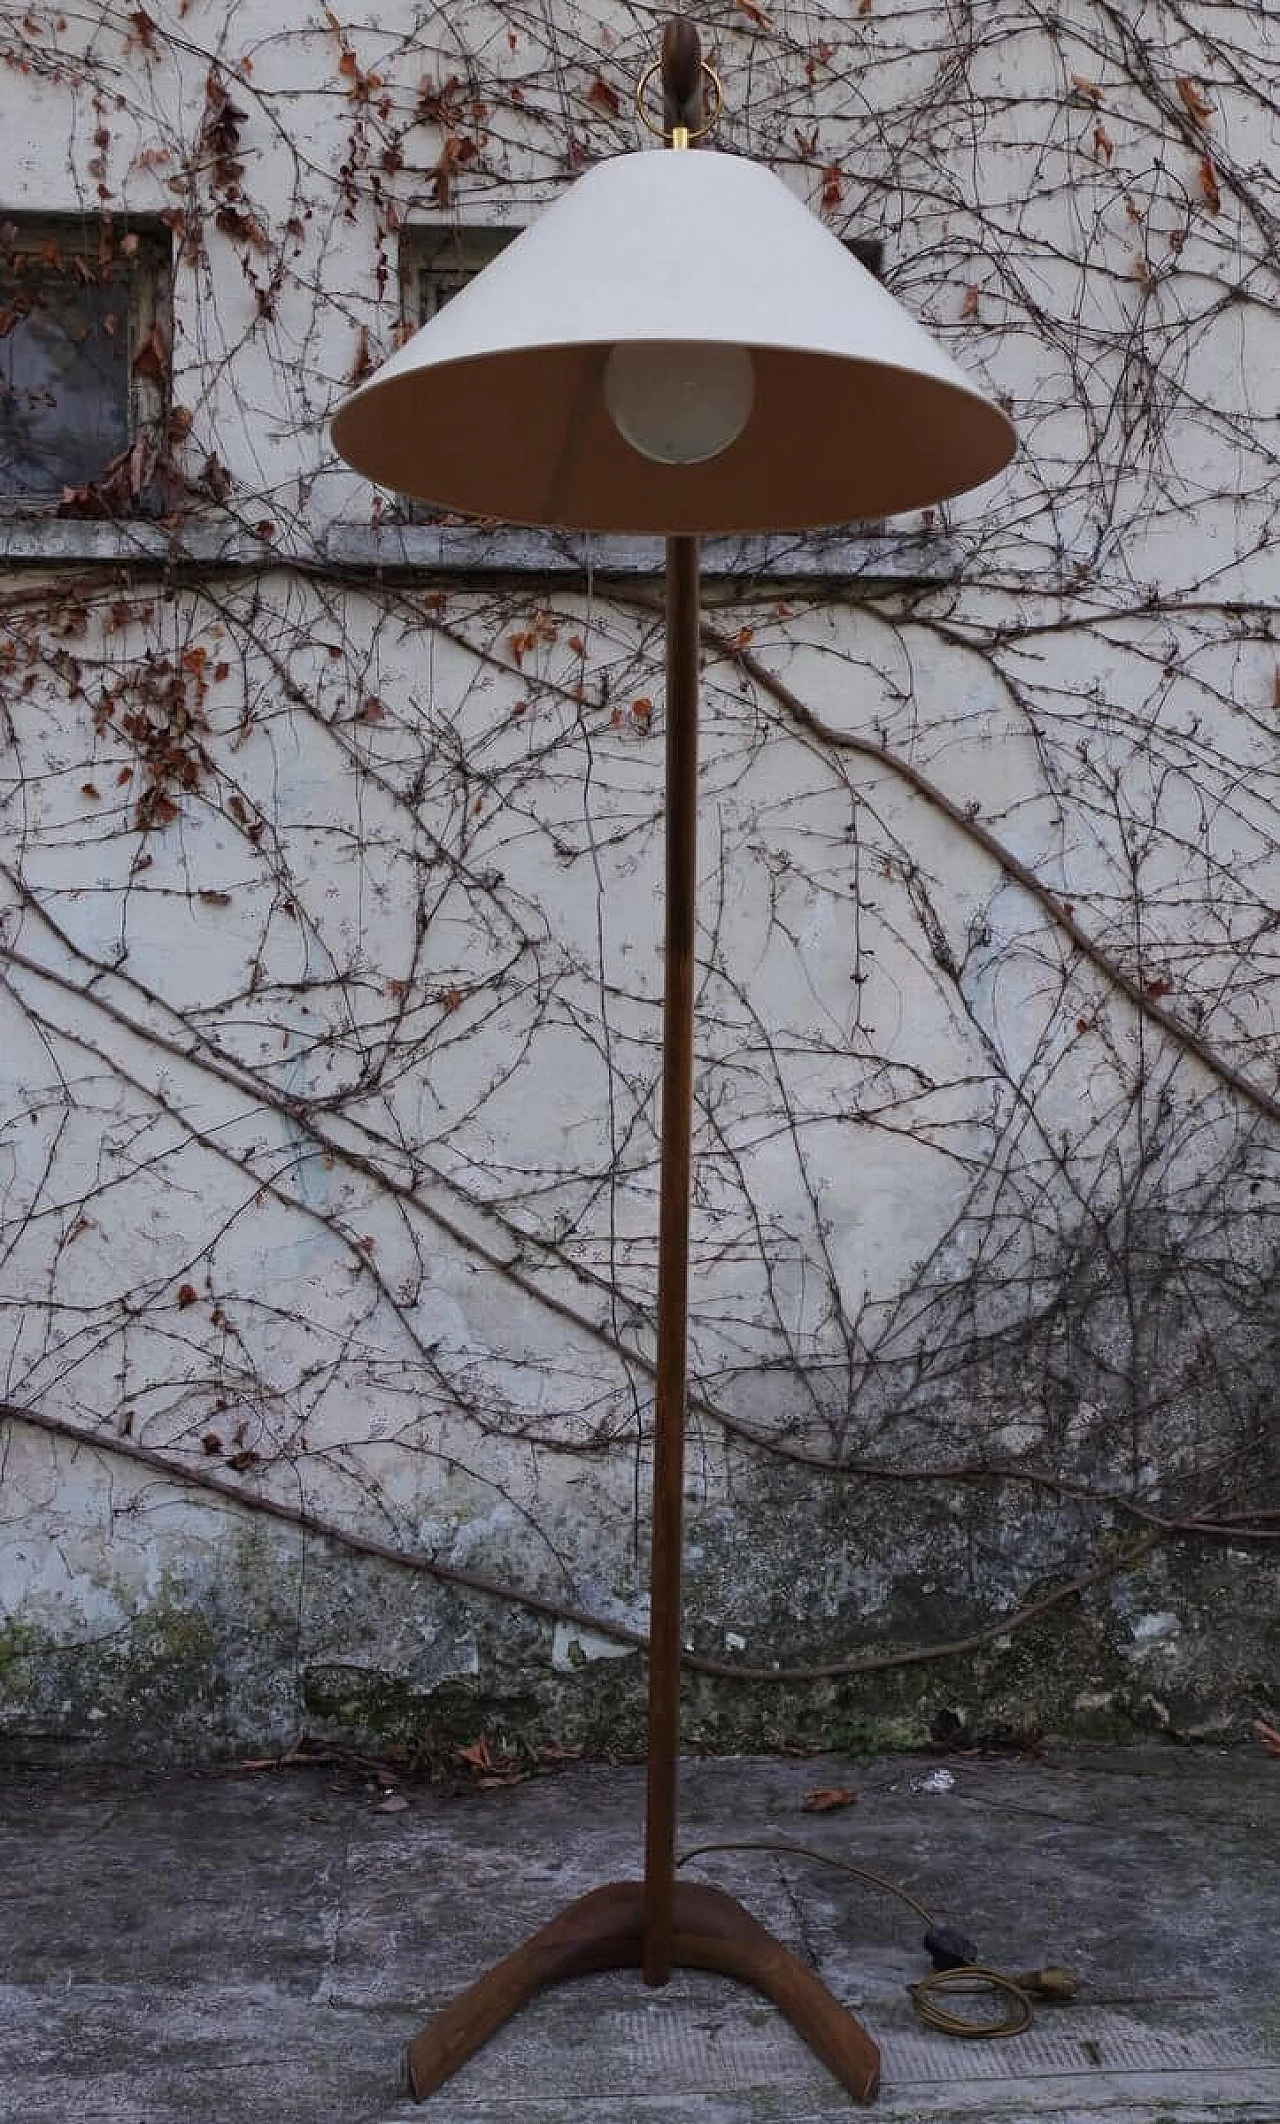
[152,358]
[604,97]
[1103,144]
[969,307]
[1194,100]
[478,1754]
[1086,88]
[1209,185]
[827,1799]
[362,364]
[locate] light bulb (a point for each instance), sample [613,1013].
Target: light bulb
[679,401]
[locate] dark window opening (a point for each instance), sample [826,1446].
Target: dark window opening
[83,352]
[437,263]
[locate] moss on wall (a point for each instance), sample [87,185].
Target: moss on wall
[245,1657]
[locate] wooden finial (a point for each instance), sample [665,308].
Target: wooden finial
[683,93]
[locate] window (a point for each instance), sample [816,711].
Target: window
[435,263]
[83,353]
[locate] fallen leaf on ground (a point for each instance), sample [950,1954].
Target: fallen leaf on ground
[478,1753]
[827,1799]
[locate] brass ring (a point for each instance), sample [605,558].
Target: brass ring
[700,132]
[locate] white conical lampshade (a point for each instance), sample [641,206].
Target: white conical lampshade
[508,404]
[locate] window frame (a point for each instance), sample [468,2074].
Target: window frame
[433,254]
[148,308]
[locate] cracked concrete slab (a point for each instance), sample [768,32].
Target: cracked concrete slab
[233,1946]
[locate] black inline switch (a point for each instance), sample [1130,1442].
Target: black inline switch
[949,1949]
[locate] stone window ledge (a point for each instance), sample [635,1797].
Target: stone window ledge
[449,549]
[59,541]
[465,550]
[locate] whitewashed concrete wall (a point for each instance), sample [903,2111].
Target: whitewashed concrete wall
[330,1004]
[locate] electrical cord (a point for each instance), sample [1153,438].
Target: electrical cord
[956,1966]
[824,1858]
[972,1979]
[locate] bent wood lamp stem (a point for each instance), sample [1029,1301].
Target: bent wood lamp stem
[673,1254]
[683,113]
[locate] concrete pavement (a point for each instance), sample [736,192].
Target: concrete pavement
[183,1948]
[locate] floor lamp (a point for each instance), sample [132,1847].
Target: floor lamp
[676,346]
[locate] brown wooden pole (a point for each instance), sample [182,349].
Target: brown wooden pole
[673,1255]
[683,113]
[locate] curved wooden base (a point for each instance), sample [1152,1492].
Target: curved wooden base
[605,1930]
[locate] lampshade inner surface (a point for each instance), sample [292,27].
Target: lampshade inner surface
[526,435]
